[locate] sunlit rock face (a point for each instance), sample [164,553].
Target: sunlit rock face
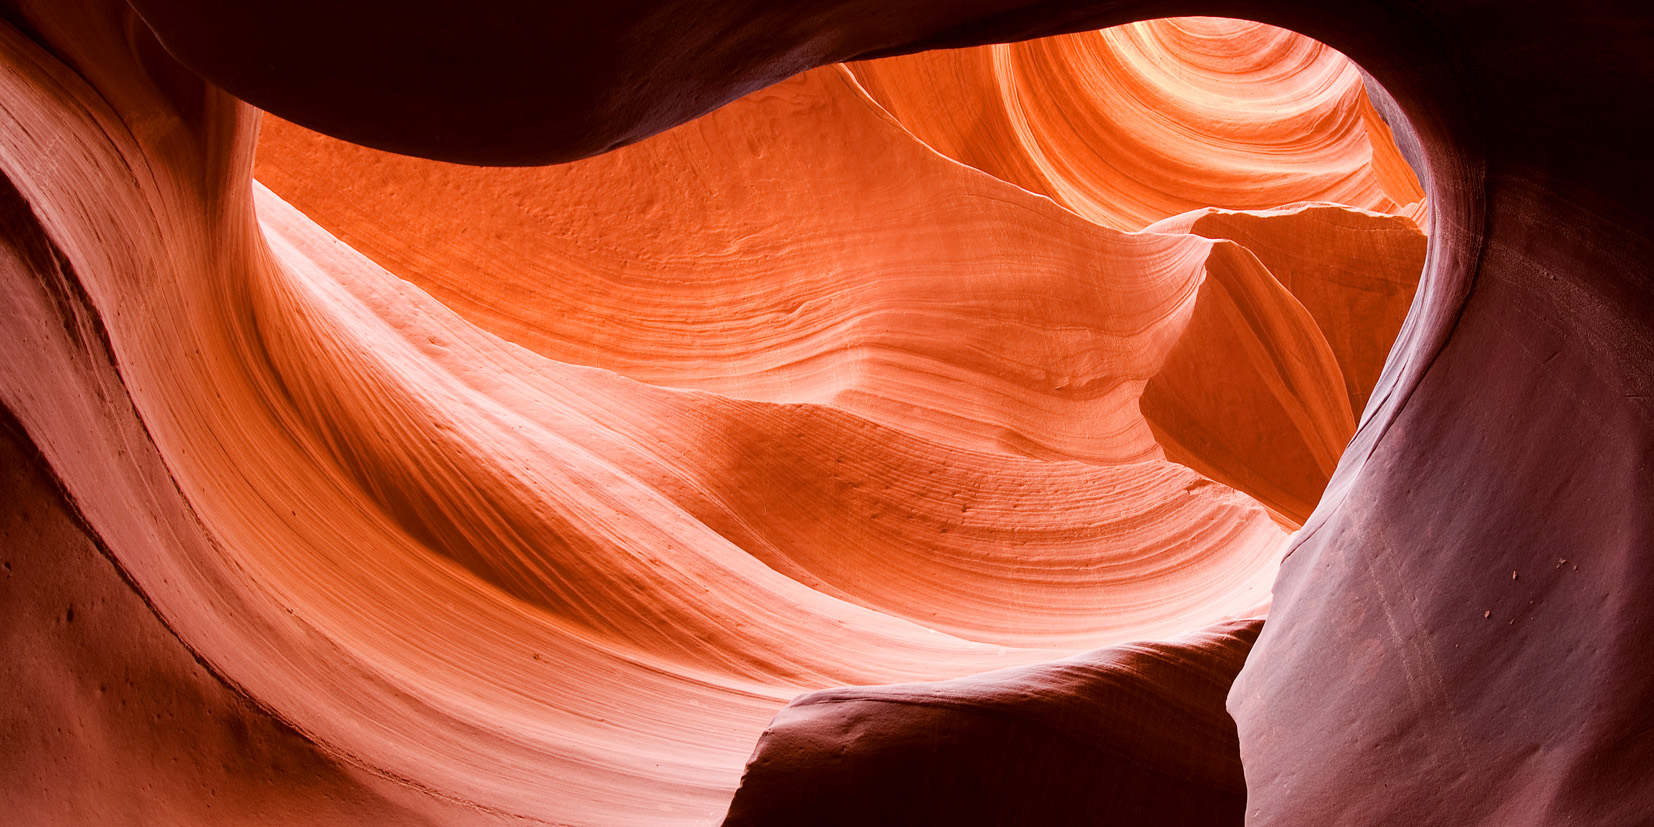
[434,494]
[1130,125]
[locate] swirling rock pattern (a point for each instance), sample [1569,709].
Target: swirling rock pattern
[1133,124]
[470,566]
[459,562]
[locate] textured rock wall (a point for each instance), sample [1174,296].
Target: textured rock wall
[645,445]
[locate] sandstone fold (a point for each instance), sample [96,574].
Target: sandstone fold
[1288,314]
[1128,735]
[1133,124]
[521,583]
[1354,272]
[1252,395]
[453,495]
[110,719]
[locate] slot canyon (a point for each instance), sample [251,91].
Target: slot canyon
[999,412]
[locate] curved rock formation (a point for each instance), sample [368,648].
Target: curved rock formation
[1129,735]
[109,719]
[1250,396]
[467,566]
[1133,124]
[615,583]
[705,259]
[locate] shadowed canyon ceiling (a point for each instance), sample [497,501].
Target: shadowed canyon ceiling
[998,363]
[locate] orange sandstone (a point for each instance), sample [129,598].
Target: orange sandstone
[494,495]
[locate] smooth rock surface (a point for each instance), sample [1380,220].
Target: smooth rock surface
[1129,735]
[502,579]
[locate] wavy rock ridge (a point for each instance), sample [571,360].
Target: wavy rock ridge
[469,552]
[484,494]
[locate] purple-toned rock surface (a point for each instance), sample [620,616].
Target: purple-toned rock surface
[1129,735]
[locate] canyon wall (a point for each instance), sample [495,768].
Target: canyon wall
[384,489]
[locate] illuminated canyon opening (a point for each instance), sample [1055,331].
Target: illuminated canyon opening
[383,490]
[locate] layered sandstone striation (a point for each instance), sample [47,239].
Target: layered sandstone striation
[1132,124]
[432,494]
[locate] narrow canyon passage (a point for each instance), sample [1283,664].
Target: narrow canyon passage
[532,494]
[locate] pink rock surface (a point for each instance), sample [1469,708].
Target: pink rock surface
[110,719]
[522,585]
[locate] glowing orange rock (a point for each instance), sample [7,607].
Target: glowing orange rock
[706,258]
[525,585]
[1353,271]
[1265,384]
[1136,123]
